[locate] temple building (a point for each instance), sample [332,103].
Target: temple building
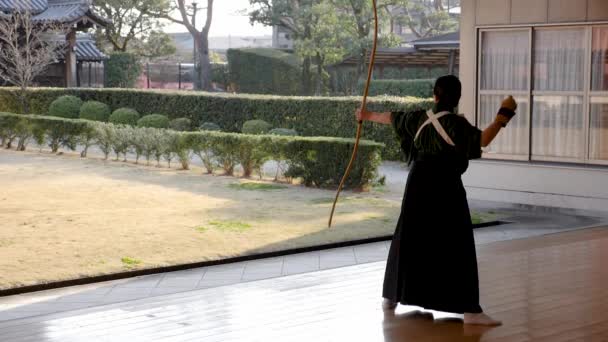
[82,61]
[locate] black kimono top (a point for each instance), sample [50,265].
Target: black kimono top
[430,145]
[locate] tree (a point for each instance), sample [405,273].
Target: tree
[325,43]
[200,37]
[134,28]
[297,16]
[156,44]
[358,20]
[422,17]
[27,49]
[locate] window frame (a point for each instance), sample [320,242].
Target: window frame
[594,94]
[525,93]
[587,94]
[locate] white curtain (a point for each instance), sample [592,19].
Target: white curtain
[559,66]
[505,67]
[557,127]
[505,60]
[515,139]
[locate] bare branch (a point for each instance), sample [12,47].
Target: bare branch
[27,49]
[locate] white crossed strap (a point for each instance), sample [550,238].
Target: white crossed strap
[434,119]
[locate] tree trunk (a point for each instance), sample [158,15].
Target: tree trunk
[204,64]
[306,76]
[319,86]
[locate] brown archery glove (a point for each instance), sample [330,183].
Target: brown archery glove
[506,111]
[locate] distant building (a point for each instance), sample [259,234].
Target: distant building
[282,37]
[79,49]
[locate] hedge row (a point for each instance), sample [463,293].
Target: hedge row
[318,161]
[418,88]
[309,116]
[264,71]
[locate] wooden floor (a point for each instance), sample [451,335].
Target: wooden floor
[552,288]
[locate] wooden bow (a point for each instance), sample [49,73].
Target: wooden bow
[370,71]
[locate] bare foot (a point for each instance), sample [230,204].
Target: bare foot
[388,304]
[480,319]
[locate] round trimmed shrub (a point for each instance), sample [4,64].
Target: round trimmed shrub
[256,127]
[66,106]
[210,126]
[283,131]
[181,124]
[95,111]
[154,121]
[124,116]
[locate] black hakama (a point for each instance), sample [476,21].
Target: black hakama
[432,261]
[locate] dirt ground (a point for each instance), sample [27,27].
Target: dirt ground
[62,217]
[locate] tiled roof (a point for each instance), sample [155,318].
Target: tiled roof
[87,51]
[34,6]
[65,11]
[443,39]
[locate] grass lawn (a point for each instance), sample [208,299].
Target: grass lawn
[64,217]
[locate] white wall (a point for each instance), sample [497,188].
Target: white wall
[582,187]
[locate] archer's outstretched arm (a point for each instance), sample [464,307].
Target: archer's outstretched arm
[381,118]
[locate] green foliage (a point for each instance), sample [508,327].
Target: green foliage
[124,116]
[264,71]
[309,116]
[135,26]
[66,106]
[155,44]
[209,126]
[417,88]
[95,111]
[321,162]
[181,124]
[130,262]
[154,121]
[256,127]
[220,74]
[122,70]
[283,131]
[317,161]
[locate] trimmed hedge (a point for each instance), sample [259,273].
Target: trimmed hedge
[66,106]
[264,71]
[309,116]
[124,116]
[95,111]
[256,127]
[56,132]
[209,126]
[181,124]
[318,161]
[154,121]
[418,88]
[283,131]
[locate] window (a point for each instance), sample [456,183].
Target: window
[559,77]
[505,65]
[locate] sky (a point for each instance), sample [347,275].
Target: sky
[226,20]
